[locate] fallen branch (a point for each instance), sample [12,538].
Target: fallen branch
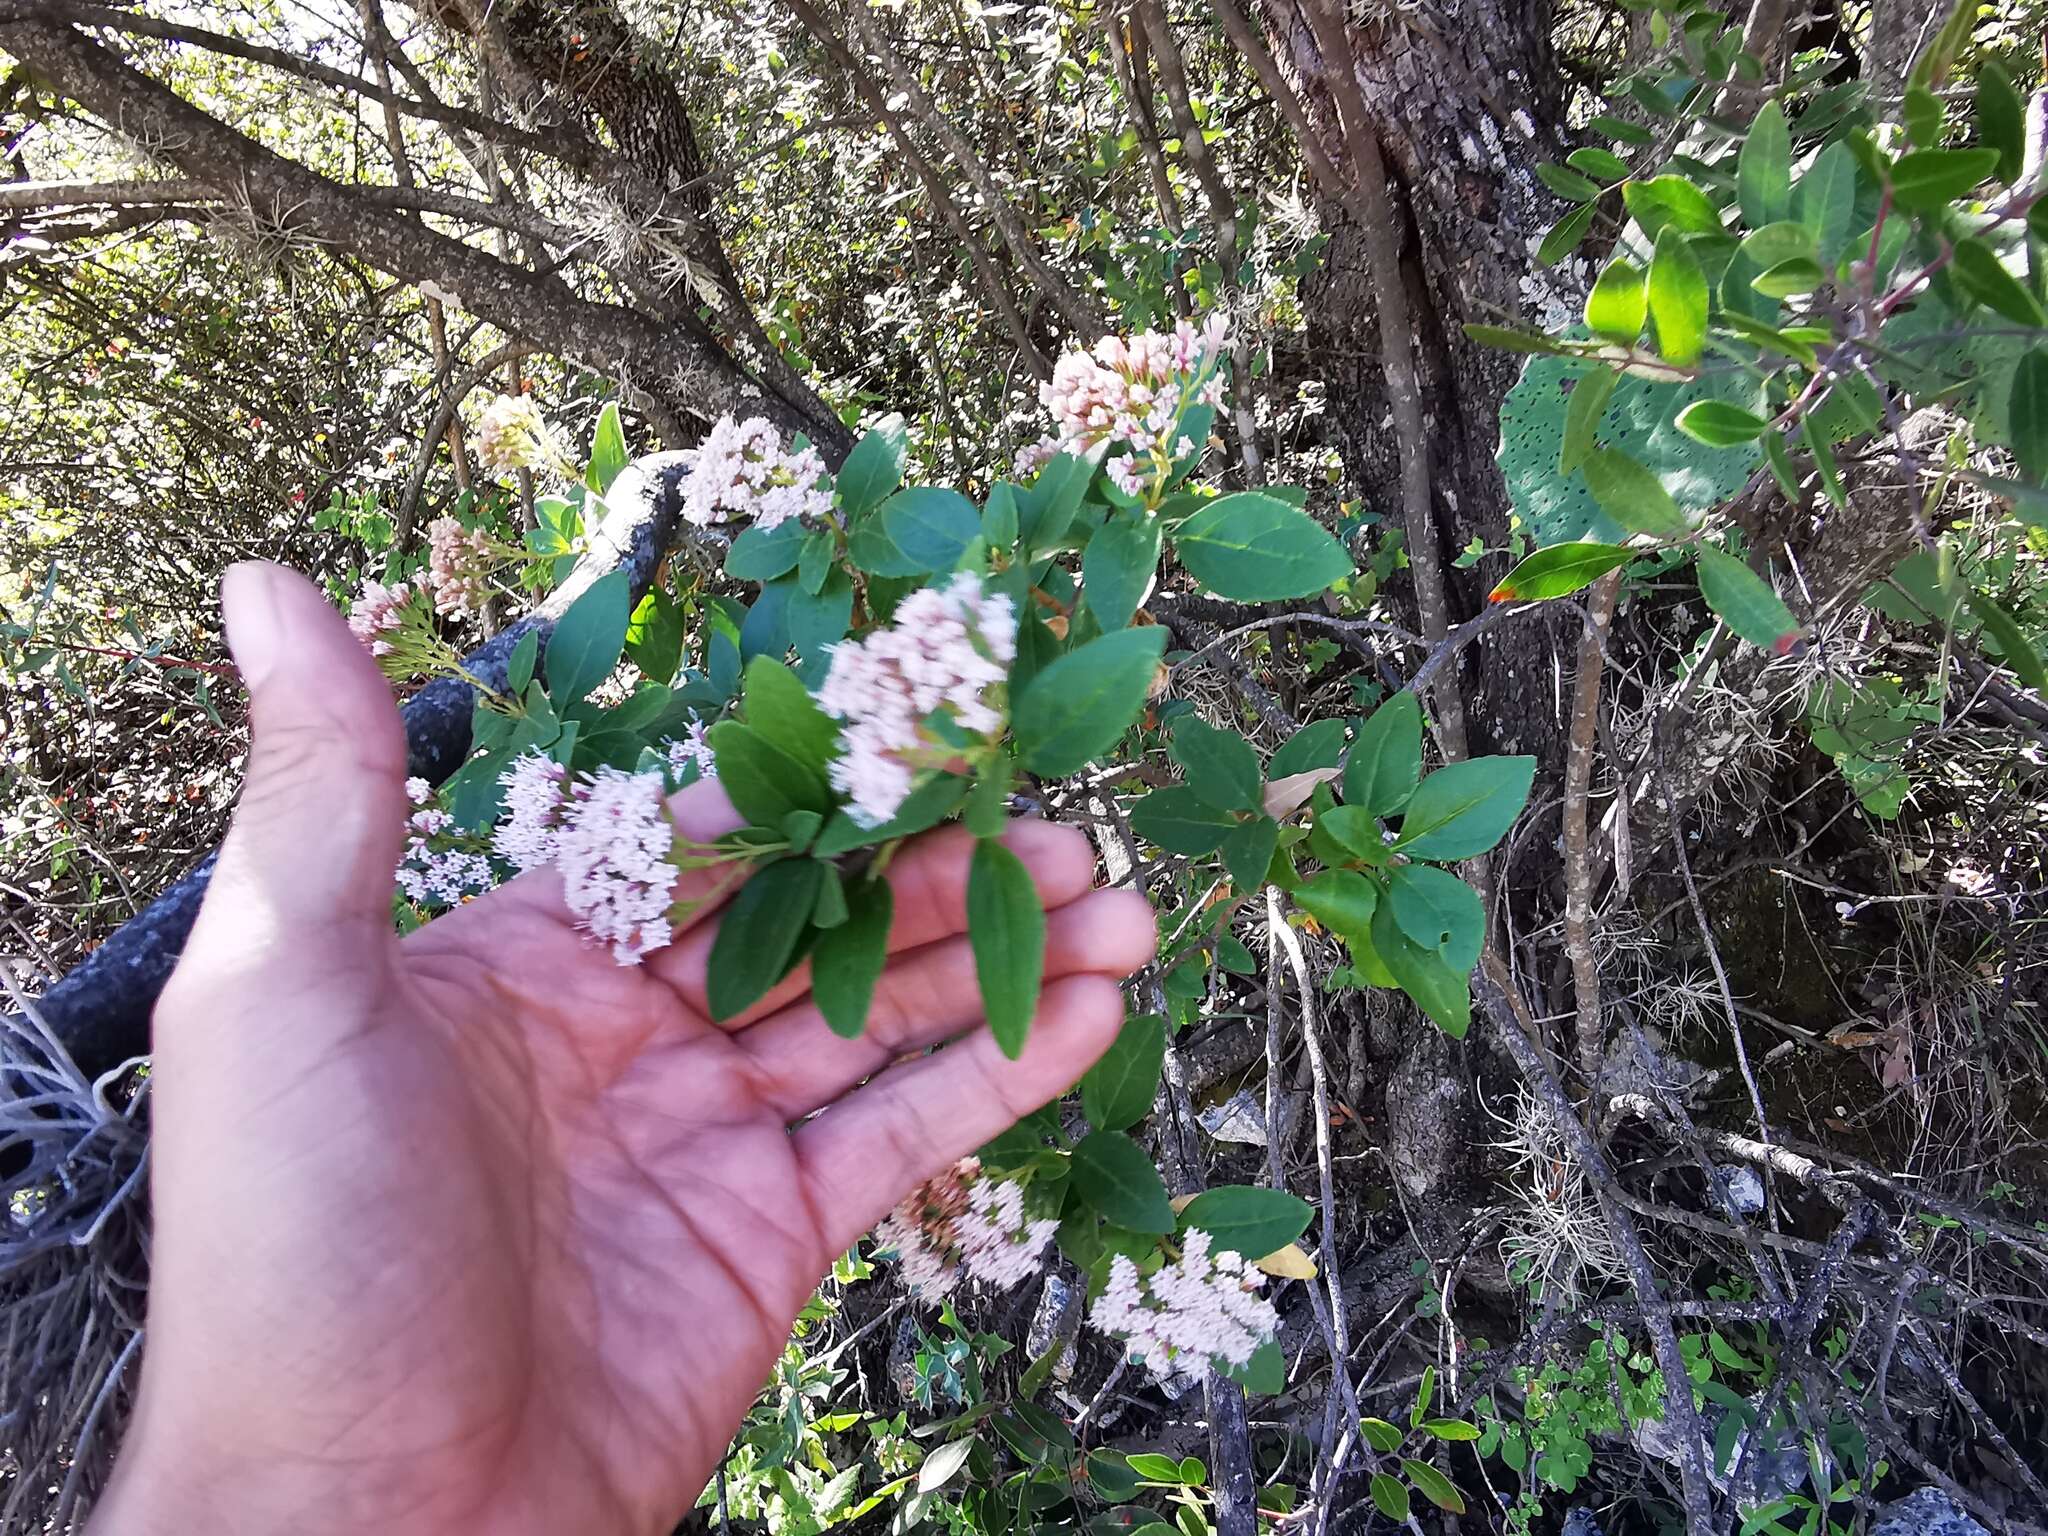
[100,1010]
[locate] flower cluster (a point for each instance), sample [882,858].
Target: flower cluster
[964,1223]
[459,563]
[691,750]
[432,875]
[741,471]
[947,649]
[1134,391]
[513,436]
[382,613]
[613,849]
[1196,1310]
[535,790]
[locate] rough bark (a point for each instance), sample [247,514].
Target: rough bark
[1460,108]
[676,371]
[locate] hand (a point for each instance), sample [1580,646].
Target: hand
[476,1230]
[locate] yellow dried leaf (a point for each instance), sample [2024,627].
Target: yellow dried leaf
[1290,1263]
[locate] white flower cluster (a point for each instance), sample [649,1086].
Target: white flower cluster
[947,647]
[381,612]
[437,876]
[613,851]
[609,834]
[512,436]
[741,471]
[1197,1310]
[964,1223]
[691,749]
[458,567]
[535,792]
[1134,391]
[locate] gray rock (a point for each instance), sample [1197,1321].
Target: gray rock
[1925,1512]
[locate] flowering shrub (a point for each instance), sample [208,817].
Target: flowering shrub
[906,657]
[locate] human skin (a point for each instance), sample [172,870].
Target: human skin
[476,1230]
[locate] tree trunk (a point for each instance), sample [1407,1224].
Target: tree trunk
[1461,116]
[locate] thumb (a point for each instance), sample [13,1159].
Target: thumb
[308,860]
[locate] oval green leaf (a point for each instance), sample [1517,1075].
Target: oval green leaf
[1006,930]
[1559,571]
[1254,548]
[1078,706]
[1113,1176]
[1463,809]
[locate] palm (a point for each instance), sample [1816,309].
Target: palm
[581,1201]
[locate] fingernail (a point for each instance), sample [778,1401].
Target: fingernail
[248,601]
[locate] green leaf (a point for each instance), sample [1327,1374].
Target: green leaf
[1825,198]
[999,516]
[1389,1496]
[927,805]
[1435,910]
[1386,760]
[1006,929]
[608,454]
[1434,1486]
[1560,570]
[1112,1476]
[1745,601]
[1118,565]
[1763,170]
[1079,706]
[1619,302]
[1582,412]
[1567,184]
[871,549]
[1155,1469]
[1112,1175]
[1564,236]
[1254,548]
[654,635]
[1181,821]
[1450,1429]
[1380,1435]
[2014,648]
[1248,851]
[589,639]
[2001,119]
[1342,900]
[519,669]
[764,782]
[1778,242]
[1678,299]
[1344,833]
[1670,202]
[1441,992]
[1221,767]
[762,554]
[782,711]
[2027,413]
[1264,1373]
[1463,809]
[758,934]
[1632,496]
[1247,1220]
[874,468]
[814,560]
[1318,744]
[1789,278]
[847,960]
[1118,1090]
[1601,164]
[931,525]
[1925,179]
[1985,278]
[1923,113]
[1719,424]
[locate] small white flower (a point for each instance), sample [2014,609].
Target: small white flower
[947,647]
[535,795]
[613,851]
[741,471]
[512,435]
[418,791]
[1188,1313]
[691,749]
[964,1224]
